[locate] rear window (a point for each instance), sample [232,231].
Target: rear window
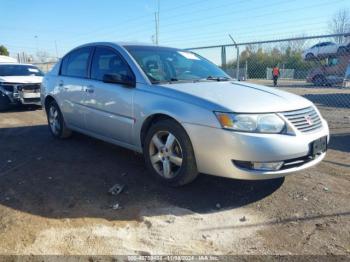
[76,63]
[20,70]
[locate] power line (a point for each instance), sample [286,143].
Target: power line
[268,14]
[142,29]
[132,20]
[240,29]
[130,33]
[166,26]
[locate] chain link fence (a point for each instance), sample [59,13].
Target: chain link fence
[44,66]
[317,68]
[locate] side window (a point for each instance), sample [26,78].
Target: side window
[106,61]
[76,63]
[64,64]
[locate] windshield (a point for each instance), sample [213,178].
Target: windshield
[162,64]
[19,70]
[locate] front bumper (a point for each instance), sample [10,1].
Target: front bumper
[216,150]
[29,98]
[22,93]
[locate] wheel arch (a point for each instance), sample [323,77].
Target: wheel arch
[152,119]
[48,100]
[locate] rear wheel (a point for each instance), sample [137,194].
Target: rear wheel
[169,153]
[341,50]
[309,56]
[319,80]
[56,122]
[4,102]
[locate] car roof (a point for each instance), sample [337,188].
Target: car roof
[124,44]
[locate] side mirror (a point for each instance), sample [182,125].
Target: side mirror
[119,79]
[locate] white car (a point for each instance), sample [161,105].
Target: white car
[324,49]
[19,84]
[7,59]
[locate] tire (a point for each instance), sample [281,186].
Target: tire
[56,123]
[166,165]
[309,56]
[5,102]
[341,50]
[319,80]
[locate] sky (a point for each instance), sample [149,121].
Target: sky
[58,26]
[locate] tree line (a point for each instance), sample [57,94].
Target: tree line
[258,59]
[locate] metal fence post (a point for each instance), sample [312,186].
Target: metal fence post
[237,60]
[237,70]
[223,57]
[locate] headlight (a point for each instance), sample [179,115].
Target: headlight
[256,123]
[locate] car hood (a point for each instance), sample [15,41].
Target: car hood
[21,79]
[241,97]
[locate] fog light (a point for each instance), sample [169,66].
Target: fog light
[267,166]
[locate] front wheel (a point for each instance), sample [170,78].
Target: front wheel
[4,102]
[309,56]
[341,50]
[169,153]
[319,80]
[56,122]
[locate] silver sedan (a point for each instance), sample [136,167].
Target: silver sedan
[182,112]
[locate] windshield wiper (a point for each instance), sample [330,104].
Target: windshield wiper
[152,79]
[218,78]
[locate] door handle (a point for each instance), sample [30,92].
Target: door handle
[90,89]
[60,84]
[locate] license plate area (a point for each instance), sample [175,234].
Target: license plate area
[319,146]
[31,95]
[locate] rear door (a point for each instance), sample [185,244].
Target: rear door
[73,82]
[315,49]
[321,49]
[329,48]
[109,105]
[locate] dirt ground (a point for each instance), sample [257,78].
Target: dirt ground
[54,198]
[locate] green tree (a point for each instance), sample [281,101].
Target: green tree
[3,50]
[259,59]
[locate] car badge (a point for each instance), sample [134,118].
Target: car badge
[309,120]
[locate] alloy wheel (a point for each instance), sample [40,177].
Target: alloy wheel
[54,120]
[166,154]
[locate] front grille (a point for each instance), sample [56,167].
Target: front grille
[305,120]
[31,100]
[11,87]
[296,162]
[29,87]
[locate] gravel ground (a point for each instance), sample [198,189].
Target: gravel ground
[54,199]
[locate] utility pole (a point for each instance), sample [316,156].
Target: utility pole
[156,24]
[237,61]
[36,43]
[56,50]
[156,19]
